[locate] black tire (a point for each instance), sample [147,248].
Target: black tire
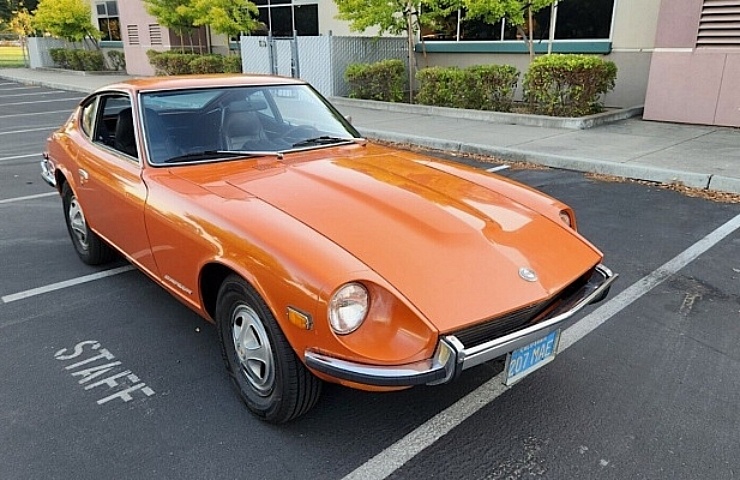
[91,249]
[264,369]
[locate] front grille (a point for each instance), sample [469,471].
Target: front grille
[518,319]
[500,326]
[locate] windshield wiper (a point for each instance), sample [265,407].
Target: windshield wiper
[213,154]
[325,140]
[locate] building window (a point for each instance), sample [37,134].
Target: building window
[576,20]
[284,17]
[108,21]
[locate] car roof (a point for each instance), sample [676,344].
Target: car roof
[200,81]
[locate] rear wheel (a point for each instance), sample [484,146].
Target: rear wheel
[272,381]
[89,247]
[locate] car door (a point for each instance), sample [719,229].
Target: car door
[109,181]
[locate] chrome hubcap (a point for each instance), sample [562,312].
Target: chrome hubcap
[77,223]
[253,349]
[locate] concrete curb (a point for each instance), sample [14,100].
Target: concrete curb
[637,172]
[572,123]
[724,184]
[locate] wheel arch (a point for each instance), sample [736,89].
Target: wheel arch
[61,180]
[212,275]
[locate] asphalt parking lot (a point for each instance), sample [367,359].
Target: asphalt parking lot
[645,386]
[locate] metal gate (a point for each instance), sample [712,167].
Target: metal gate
[322,60]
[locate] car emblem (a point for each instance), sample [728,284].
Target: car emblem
[528,274]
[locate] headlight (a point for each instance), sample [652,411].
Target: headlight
[348,308]
[568,218]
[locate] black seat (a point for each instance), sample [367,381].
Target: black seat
[242,128]
[125,140]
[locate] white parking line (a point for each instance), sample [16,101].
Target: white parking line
[28,130]
[66,283]
[34,87]
[18,157]
[394,457]
[28,197]
[497,169]
[46,92]
[67,111]
[74,99]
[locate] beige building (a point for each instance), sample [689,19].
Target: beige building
[681,74]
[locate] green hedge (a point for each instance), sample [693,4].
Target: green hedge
[480,87]
[75,59]
[568,85]
[441,87]
[384,80]
[117,59]
[232,64]
[173,63]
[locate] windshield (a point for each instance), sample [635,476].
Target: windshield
[213,124]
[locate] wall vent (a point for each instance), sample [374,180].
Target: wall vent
[155,34]
[720,24]
[133,34]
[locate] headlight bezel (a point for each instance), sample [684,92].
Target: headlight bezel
[349,295]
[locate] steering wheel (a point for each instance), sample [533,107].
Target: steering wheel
[299,132]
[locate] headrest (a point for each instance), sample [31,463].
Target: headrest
[248,105]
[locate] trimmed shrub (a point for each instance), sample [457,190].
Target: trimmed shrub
[170,63]
[207,64]
[382,80]
[494,86]
[59,57]
[442,87]
[233,64]
[91,61]
[568,85]
[173,63]
[117,59]
[75,59]
[480,87]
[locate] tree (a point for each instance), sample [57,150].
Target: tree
[177,15]
[229,17]
[21,25]
[9,7]
[67,19]
[517,12]
[389,16]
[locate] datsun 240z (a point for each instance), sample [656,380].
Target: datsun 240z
[319,255]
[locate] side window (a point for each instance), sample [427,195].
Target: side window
[86,119]
[115,124]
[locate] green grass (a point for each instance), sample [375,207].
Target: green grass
[11,57]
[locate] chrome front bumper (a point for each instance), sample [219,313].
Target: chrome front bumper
[452,357]
[47,171]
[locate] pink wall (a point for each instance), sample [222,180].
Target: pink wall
[678,23]
[134,13]
[689,84]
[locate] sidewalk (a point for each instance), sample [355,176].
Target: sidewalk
[697,156]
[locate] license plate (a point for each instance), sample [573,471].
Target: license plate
[525,360]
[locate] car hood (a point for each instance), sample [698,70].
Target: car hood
[453,248]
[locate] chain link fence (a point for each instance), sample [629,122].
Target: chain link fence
[320,60]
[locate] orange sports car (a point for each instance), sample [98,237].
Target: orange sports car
[319,256]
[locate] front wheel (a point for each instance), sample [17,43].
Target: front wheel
[91,249]
[271,380]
